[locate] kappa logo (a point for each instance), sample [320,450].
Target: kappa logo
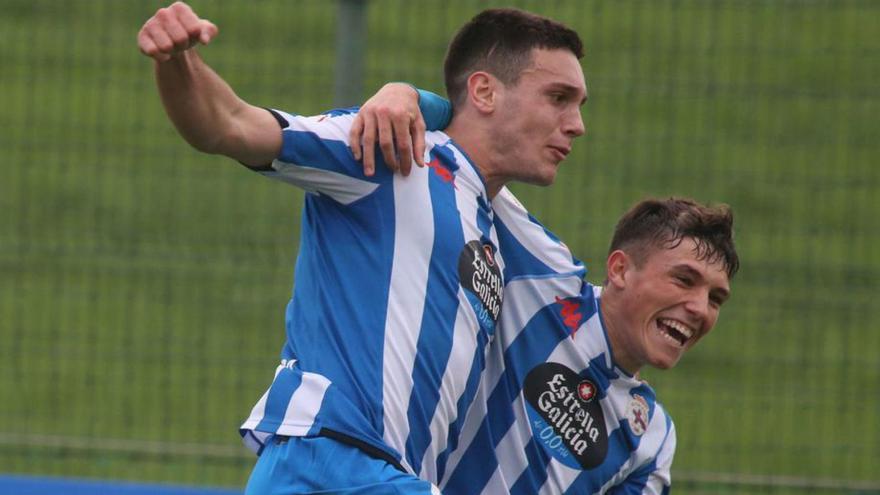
[637,414]
[570,314]
[442,172]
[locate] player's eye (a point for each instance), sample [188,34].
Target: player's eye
[716,300]
[557,98]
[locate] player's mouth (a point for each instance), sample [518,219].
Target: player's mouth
[675,331]
[559,152]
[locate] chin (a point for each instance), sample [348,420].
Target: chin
[543,180]
[665,363]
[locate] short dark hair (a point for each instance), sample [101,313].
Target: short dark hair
[664,223]
[500,42]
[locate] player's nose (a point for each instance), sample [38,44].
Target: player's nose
[573,125]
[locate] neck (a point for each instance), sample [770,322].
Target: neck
[611,317]
[477,144]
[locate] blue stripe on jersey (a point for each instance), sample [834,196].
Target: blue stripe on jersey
[307,149]
[484,222]
[531,479]
[535,342]
[464,403]
[341,111]
[279,397]
[636,481]
[330,255]
[604,376]
[592,480]
[532,346]
[438,320]
[622,443]
[517,259]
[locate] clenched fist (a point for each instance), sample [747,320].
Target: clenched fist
[173,30]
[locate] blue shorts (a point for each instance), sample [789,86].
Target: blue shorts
[319,465]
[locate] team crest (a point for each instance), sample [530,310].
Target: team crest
[637,414]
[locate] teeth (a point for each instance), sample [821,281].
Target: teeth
[678,326]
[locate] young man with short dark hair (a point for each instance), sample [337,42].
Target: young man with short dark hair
[398,282]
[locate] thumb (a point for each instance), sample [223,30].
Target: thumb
[209,31]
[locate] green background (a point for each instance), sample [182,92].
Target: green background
[142,284]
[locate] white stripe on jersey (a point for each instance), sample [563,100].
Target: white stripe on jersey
[532,235]
[259,410]
[305,404]
[465,341]
[511,451]
[525,292]
[526,306]
[476,412]
[413,211]
[653,440]
[662,477]
[340,187]
[454,382]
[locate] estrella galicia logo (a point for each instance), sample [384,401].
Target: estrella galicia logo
[566,416]
[480,276]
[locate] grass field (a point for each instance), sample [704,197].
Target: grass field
[142,285]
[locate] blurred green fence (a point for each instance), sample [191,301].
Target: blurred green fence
[142,284]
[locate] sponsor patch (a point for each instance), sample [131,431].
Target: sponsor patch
[637,414]
[565,417]
[481,278]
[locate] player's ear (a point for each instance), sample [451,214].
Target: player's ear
[482,88]
[617,265]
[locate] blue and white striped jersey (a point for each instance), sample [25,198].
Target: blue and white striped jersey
[398,288]
[554,415]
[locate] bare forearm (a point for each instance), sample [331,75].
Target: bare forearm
[200,104]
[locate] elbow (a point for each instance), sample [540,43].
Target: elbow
[214,143]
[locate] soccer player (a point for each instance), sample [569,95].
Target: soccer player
[398,280]
[561,408]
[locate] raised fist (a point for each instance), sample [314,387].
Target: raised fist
[173,30]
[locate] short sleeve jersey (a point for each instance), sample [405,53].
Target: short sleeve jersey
[398,289]
[554,414]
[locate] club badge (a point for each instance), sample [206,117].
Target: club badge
[637,414]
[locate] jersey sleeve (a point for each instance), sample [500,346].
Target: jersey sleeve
[316,158]
[529,249]
[436,110]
